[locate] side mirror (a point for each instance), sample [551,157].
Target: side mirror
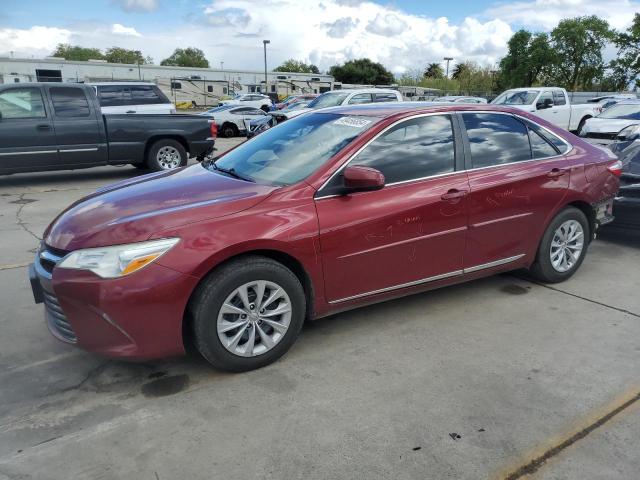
[358,178]
[548,103]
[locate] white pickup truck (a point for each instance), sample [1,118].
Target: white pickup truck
[549,103]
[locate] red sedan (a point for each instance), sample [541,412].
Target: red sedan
[329,211]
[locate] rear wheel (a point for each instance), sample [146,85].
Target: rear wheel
[247,314]
[563,246]
[166,154]
[229,130]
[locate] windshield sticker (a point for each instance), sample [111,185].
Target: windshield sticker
[352,122]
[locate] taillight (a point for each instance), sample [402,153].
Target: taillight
[615,168]
[213,129]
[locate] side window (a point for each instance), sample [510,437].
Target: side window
[209,88]
[21,103]
[417,148]
[240,111]
[360,98]
[540,148]
[545,99]
[496,139]
[559,147]
[112,95]
[385,97]
[144,95]
[69,102]
[254,111]
[559,98]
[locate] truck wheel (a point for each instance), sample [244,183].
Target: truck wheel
[166,154]
[229,130]
[247,313]
[563,246]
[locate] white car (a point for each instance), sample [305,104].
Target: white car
[335,98]
[550,103]
[132,97]
[604,128]
[291,111]
[460,99]
[256,100]
[232,119]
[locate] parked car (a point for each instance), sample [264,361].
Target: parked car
[290,111]
[358,96]
[291,99]
[54,126]
[604,128]
[259,125]
[231,118]
[255,100]
[460,99]
[549,103]
[626,205]
[329,211]
[132,97]
[607,101]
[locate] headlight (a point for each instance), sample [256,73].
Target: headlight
[118,260]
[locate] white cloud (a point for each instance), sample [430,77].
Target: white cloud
[137,5]
[545,14]
[119,29]
[37,41]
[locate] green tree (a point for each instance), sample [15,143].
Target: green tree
[434,70]
[362,71]
[528,57]
[74,52]
[123,55]
[187,57]
[626,67]
[292,65]
[461,71]
[578,44]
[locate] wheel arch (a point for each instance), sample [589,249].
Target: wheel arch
[178,138]
[229,123]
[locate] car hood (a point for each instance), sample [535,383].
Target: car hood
[137,209]
[606,125]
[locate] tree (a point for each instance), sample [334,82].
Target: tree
[578,44]
[362,71]
[626,67]
[74,52]
[528,57]
[187,57]
[434,70]
[461,71]
[122,55]
[292,65]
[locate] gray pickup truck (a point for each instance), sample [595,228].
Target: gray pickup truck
[59,126]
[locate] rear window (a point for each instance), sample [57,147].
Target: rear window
[147,94]
[113,95]
[69,102]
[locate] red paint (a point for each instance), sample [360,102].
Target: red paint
[348,245]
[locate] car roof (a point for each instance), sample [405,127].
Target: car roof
[110,84]
[389,109]
[364,90]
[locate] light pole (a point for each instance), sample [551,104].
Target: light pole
[448,59]
[264,43]
[221,65]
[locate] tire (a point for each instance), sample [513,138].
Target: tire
[229,130]
[265,108]
[166,154]
[581,124]
[222,287]
[544,268]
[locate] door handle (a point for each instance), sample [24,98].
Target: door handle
[453,194]
[43,126]
[556,172]
[130,111]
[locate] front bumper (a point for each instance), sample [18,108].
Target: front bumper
[139,316]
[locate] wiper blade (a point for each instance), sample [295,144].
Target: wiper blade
[231,172]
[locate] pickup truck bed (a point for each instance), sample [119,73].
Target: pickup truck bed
[54,126]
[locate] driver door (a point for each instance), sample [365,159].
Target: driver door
[408,233]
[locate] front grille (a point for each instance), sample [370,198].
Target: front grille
[56,318]
[604,136]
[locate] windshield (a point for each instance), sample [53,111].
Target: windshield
[290,152]
[328,99]
[631,111]
[516,97]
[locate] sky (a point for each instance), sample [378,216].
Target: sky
[404,35]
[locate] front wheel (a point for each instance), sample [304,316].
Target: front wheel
[166,154]
[563,246]
[247,314]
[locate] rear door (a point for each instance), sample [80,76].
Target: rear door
[517,178]
[79,127]
[361,98]
[408,233]
[27,136]
[149,99]
[114,99]
[561,109]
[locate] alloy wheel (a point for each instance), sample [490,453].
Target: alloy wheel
[168,157]
[567,245]
[254,318]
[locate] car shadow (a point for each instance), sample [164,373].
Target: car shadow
[101,174]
